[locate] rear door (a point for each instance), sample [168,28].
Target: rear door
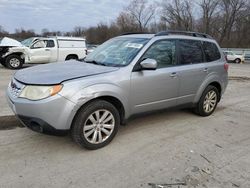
[192,71]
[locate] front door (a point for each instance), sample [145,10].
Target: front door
[39,53]
[156,89]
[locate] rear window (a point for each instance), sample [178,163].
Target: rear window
[50,44]
[190,52]
[211,51]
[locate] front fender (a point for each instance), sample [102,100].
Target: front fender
[91,92]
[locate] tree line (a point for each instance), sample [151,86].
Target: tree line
[228,21]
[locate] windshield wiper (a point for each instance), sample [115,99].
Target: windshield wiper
[96,63]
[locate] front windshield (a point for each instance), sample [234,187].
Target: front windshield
[27,42]
[116,52]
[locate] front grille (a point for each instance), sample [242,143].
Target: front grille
[15,88]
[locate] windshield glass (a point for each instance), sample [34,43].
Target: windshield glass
[116,52]
[27,42]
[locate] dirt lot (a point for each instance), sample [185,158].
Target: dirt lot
[174,147]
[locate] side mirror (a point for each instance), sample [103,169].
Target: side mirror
[149,64]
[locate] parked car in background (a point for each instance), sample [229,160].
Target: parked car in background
[91,48]
[126,75]
[232,57]
[41,50]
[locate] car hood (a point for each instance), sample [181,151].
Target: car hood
[56,73]
[9,42]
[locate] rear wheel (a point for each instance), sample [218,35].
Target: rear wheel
[237,60]
[208,101]
[95,125]
[14,62]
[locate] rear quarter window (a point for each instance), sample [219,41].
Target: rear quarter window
[211,51]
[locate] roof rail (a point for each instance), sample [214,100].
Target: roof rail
[189,33]
[131,33]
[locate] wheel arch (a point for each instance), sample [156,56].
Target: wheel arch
[16,53]
[218,86]
[213,82]
[71,55]
[111,99]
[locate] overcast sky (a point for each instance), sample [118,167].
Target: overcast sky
[61,15]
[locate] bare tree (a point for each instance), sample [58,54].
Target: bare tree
[126,23]
[209,9]
[3,33]
[141,12]
[178,14]
[231,10]
[78,31]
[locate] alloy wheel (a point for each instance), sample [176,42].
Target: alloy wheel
[210,101]
[99,126]
[14,62]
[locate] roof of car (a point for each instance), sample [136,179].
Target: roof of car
[147,36]
[171,34]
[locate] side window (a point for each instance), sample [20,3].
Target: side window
[39,44]
[163,52]
[190,52]
[50,44]
[211,51]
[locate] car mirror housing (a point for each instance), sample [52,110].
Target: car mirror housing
[149,64]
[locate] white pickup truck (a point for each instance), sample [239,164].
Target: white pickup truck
[40,50]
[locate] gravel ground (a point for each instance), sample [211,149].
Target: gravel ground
[172,147]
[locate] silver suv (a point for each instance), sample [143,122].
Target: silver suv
[127,75]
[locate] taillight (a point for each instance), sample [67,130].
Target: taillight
[226,66]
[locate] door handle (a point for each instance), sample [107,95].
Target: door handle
[205,70]
[173,74]
[47,49]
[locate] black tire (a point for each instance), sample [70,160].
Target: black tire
[237,60]
[82,117]
[17,59]
[199,109]
[70,57]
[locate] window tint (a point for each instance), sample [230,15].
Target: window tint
[50,44]
[190,52]
[163,52]
[211,51]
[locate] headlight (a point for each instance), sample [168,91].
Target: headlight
[39,92]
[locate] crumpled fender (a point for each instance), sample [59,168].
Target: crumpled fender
[23,50]
[98,90]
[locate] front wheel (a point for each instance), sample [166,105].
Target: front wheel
[14,62]
[95,125]
[208,101]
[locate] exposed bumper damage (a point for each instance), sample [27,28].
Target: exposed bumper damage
[9,46]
